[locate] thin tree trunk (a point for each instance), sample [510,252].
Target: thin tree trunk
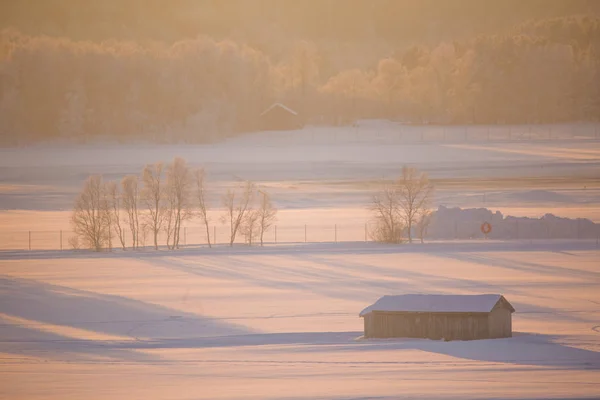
[207,233]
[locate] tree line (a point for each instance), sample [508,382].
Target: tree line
[202,89]
[159,201]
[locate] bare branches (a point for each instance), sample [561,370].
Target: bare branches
[249,226]
[236,205]
[90,217]
[178,189]
[415,192]
[402,205]
[168,196]
[131,197]
[267,214]
[388,219]
[152,195]
[115,211]
[199,180]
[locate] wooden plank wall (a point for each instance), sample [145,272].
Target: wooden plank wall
[461,326]
[500,321]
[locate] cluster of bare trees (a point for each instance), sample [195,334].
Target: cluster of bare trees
[159,202]
[402,208]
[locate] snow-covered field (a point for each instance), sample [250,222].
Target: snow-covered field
[281,322]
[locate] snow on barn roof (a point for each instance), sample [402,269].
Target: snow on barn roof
[274,105]
[436,303]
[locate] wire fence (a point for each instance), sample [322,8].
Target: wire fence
[349,232]
[191,236]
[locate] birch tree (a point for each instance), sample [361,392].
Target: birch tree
[115,211]
[89,218]
[267,215]
[178,187]
[414,195]
[236,205]
[199,180]
[385,206]
[152,195]
[250,225]
[131,198]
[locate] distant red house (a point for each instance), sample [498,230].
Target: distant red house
[279,117]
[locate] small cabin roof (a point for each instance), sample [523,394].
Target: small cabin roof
[278,105]
[438,303]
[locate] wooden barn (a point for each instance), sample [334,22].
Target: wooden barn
[447,317]
[279,118]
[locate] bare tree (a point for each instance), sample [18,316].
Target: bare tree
[250,225]
[106,207]
[385,206]
[201,200]
[423,222]
[178,189]
[153,197]
[74,242]
[169,215]
[131,197]
[414,195]
[236,205]
[115,211]
[267,215]
[89,217]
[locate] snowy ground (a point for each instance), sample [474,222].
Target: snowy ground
[325,168]
[282,323]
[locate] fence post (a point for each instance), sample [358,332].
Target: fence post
[61,239]
[214,234]
[29,240]
[335,229]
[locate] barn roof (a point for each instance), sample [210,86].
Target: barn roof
[279,105]
[441,303]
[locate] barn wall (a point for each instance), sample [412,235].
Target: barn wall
[500,322]
[279,119]
[459,326]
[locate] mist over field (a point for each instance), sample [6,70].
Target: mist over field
[273,199]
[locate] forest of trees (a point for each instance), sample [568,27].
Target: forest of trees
[59,80]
